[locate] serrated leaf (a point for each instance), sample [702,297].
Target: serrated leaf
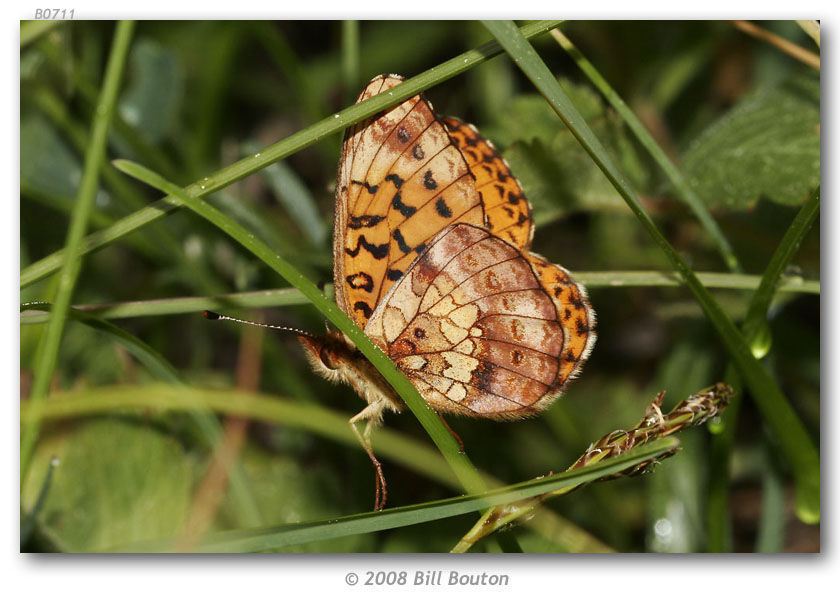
[560,177]
[530,117]
[768,145]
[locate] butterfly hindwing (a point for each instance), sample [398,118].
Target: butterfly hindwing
[473,328]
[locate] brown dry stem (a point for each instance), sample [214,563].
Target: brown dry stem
[694,410]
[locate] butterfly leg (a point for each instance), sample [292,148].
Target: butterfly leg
[371,415]
[452,431]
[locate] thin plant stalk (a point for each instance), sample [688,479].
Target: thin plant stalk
[798,52]
[47,352]
[757,333]
[292,296]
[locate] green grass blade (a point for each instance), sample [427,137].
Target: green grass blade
[174,306]
[350,59]
[794,441]
[464,470]
[683,190]
[47,353]
[150,358]
[293,297]
[285,147]
[27,524]
[277,537]
[755,327]
[811,27]
[417,456]
[32,30]
[771,526]
[757,334]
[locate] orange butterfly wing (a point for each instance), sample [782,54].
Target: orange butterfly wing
[431,256]
[507,212]
[477,331]
[401,181]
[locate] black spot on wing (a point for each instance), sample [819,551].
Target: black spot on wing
[394,274]
[401,241]
[405,210]
[442,209]
[429,181]
[364,307]
[380,251]
[360,281]
[370,188]
[363,221]
[395,179]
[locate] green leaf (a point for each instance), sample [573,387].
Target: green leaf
[768,145]
[44,152]
[118,481]
[151,102]
[557,174]
[528,117]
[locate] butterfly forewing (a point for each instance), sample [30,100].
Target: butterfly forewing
[507,210]
[401,181]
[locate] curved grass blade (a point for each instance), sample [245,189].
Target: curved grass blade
[27,525]
[786,426]
[285,147]
[683,190]
[755,327]
[757,333]
[399,448]
[32,30]
[464,470]
[259,540]
[47,353]
[164,371]
[148,356]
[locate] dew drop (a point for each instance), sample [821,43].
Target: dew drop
[663,528]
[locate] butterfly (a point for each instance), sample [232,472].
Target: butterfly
[432,260]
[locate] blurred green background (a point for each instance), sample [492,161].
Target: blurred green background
[739,117]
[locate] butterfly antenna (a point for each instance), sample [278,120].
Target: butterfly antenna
[214,316]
